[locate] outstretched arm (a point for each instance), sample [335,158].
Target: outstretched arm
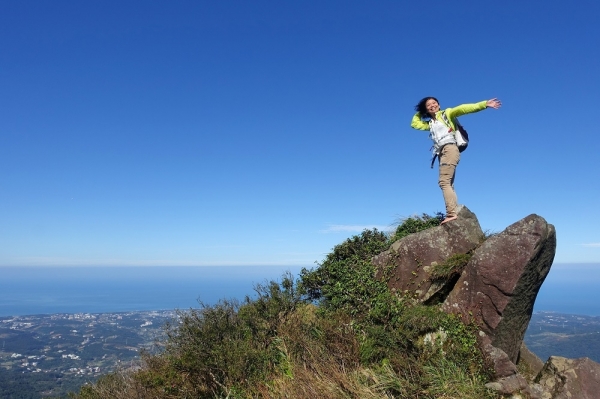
[471,108]
[464,109]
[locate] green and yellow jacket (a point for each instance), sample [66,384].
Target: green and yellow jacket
[451,113]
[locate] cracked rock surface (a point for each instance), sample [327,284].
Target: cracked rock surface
[563,378]
[499,285]
[414,256]
[496,290]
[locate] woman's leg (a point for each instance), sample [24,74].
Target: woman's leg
[449,159]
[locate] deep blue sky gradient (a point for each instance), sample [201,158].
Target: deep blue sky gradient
[266,132]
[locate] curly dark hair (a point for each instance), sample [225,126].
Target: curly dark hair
[421,109]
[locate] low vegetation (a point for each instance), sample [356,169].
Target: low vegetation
[415,224]
[334,332]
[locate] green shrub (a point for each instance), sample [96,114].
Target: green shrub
[415,224]
[346,278]
[231,344]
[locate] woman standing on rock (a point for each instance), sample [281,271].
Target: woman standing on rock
[442,128]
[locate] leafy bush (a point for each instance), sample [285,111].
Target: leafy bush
[345,280]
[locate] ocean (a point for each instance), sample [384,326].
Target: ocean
[48,290]
[569,288]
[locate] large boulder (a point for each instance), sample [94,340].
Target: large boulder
[498,287]
[563,378]
[413,257]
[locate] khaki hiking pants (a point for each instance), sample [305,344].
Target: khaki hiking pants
[449,158]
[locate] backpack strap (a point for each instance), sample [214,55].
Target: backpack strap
[433,160]
[447,120]
[457,124]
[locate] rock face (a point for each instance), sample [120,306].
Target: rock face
[413,256]
[500,283]
[498,286]
[563,378]
[497,290]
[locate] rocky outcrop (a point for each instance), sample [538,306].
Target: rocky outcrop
[497,290]
[499,284]
[563,378]
[501,281]
[413,257]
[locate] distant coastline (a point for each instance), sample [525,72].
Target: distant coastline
[569,288]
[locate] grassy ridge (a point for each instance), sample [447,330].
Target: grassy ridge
[335,332]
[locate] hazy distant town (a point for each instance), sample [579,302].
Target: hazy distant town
[50,355]
[74,348]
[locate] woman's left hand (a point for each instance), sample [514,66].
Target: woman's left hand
[493,103]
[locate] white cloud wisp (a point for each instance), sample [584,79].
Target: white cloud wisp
[346,228]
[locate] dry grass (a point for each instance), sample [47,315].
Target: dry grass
[313,356]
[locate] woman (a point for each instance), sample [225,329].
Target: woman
[429,117]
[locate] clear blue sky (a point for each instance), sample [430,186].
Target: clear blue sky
[266,132]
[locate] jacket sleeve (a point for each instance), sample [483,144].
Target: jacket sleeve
[463,109]
[418,124]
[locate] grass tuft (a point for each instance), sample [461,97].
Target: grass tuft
[414,224]
[451,267]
